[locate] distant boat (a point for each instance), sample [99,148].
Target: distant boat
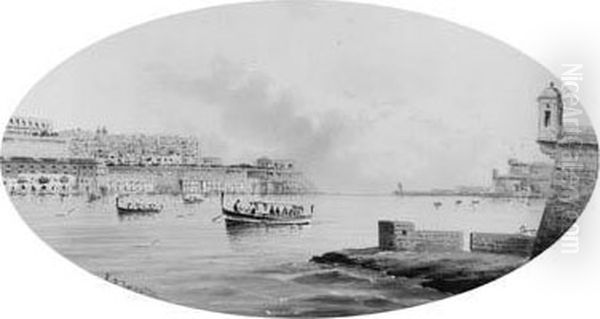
[92,197]
[266,213]
[136,206]
[437,205]
[193,198]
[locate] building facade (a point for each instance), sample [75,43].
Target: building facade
[37,159]
[132,149]
[29,126]
[266,177]
[32,137]
[26,175]
[523,179]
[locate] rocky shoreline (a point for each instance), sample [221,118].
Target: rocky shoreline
[449,272]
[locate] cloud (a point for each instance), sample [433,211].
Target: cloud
[258,118]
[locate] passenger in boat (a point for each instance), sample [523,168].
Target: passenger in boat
[271,210]
[236,205]
[277,212]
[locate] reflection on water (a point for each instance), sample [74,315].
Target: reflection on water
[187,255]
[133,216]
[250,232]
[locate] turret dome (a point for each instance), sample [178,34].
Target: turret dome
[551,92]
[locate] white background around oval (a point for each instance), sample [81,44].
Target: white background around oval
[37,35]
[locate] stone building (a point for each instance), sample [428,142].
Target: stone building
[132,149]
[266,177]
[32,137]
[214,180]
[34,146]
[574,150]
[523,179]
[29,126]
[277,176]
[26,175]
[142,179]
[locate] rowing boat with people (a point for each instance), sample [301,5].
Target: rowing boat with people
[131,206]
[266,213]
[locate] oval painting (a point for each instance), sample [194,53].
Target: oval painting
[308,159]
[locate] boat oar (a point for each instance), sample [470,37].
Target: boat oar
[216,218]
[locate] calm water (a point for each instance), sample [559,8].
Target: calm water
[185,256]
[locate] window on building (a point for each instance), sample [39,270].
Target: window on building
[547,118]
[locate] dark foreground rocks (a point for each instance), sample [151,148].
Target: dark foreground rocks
[451,272]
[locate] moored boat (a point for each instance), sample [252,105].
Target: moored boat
[193,198]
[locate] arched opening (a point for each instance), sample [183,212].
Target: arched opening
[547,115]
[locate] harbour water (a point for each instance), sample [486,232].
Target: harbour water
[186,255]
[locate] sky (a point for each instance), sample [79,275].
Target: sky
[361,97]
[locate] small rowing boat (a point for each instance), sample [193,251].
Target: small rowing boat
[136,207]
[193,198]
[266,213]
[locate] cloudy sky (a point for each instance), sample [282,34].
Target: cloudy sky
[362,97]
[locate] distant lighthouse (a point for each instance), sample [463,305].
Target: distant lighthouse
[399,190]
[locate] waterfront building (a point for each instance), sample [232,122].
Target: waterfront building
[214,180]
[40,184]
[122,184]
[574,149]
[96,161]
[266,177]
[26,175]
[523,179]
[277,176]
[142,179]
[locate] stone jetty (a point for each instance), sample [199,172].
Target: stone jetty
[436,259]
